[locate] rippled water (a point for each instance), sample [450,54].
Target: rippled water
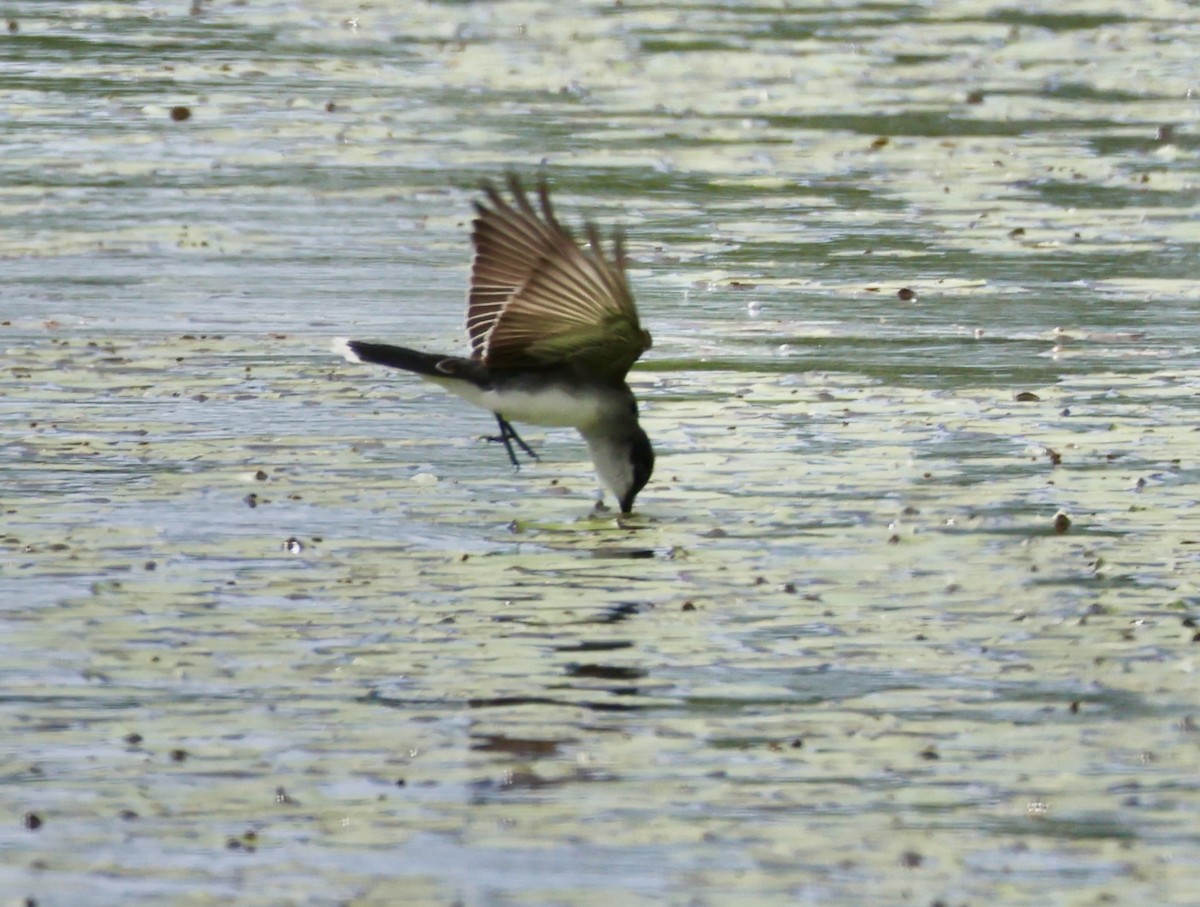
[907,614]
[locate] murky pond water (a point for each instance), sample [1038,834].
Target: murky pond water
[907,614]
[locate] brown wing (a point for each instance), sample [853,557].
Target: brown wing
[538,299]
[508,245]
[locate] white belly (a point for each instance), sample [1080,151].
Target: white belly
[553,407]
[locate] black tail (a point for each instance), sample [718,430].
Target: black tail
[394,357]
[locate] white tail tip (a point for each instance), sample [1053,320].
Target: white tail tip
[341,346]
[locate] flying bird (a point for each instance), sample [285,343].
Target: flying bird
[553,330]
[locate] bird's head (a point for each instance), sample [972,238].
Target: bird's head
[641,462]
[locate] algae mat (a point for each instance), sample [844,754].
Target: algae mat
[907,613]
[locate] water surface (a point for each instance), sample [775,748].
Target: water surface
[906,614]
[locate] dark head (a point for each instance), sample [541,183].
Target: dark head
[641,456]
[624,460]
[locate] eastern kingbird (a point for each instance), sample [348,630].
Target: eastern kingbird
[553,330]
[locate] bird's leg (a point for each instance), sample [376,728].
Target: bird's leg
[512,433]
[507,435]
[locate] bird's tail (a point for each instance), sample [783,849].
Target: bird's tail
[391,356]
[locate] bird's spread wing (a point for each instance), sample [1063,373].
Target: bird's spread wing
[538,299]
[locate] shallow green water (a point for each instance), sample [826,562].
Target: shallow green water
[846,652]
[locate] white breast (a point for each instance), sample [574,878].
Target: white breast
[553,406]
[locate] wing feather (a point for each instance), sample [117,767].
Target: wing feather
[538,299]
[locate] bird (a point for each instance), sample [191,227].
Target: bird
[553,331]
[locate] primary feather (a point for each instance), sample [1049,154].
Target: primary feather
[538,298]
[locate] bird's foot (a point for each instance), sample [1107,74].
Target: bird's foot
[507,435]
